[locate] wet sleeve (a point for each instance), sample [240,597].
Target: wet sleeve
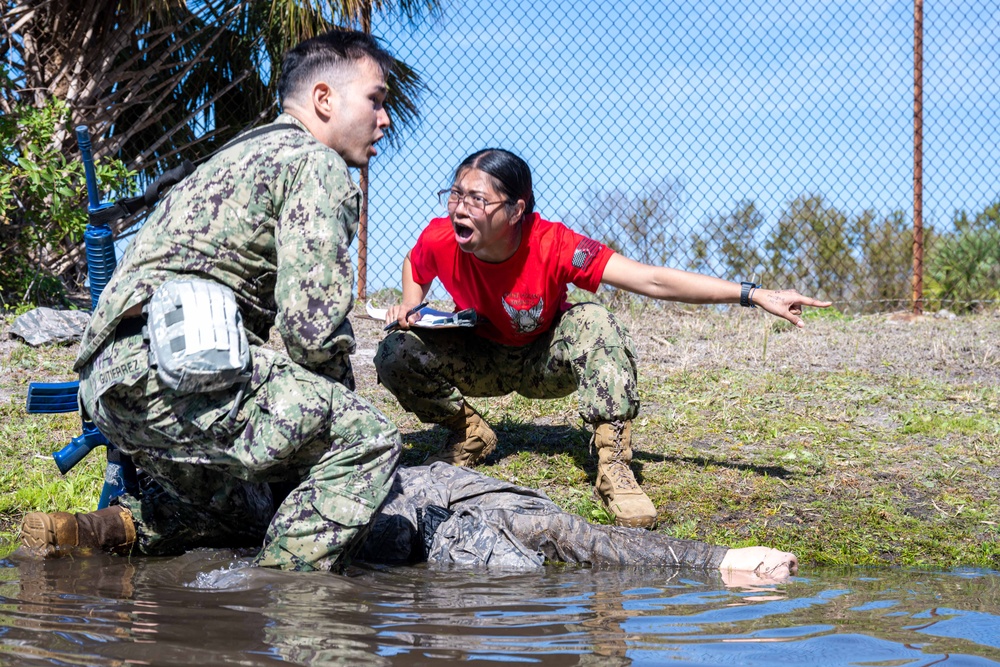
[568,538]
[563,537]
[315,278]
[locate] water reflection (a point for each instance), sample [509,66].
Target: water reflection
[208,608]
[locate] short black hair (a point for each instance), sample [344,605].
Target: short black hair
[510,173]
[302,64]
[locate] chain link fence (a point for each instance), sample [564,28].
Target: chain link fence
[769,140]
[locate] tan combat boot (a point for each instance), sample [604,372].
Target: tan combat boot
[616,485]
[471,439]
[51,535]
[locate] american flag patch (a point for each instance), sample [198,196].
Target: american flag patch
[585,253]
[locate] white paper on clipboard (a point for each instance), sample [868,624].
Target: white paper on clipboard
[429,317]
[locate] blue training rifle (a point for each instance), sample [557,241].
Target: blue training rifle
[57,397]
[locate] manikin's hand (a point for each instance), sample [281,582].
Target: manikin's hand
[757,565]
[786,303]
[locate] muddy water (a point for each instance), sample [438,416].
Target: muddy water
[208,608]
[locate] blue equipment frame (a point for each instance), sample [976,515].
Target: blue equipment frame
[57,397]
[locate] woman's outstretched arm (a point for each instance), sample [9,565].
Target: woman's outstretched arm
[676,285]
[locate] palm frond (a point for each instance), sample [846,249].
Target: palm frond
[153,77]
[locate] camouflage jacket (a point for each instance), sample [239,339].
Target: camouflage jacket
[272,218]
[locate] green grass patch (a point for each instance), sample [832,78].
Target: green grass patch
[881,448]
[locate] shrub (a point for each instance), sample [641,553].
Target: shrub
[43,211]
[963,269]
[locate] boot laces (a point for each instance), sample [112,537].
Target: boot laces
[618,470]
[621,476]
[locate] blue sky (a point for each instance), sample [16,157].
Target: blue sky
[730,101]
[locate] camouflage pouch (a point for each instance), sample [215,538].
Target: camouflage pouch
[196,338]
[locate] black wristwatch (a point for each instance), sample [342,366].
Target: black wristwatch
[745,289]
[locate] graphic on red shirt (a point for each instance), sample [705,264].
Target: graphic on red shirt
[525,311]
[517,300]
[585,253]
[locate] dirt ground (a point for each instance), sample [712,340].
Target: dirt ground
[751,430]
[938,345]
[933,346]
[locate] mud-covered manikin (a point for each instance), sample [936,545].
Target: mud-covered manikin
[453,516]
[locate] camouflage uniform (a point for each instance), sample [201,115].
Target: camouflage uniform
[586,350]
[487,522]
[46,325]
[272,218]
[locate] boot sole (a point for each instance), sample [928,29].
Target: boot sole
[639,522]
[38,533]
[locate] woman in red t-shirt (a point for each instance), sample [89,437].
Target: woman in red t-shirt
[495,255]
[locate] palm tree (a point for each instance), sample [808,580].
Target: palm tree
[154,78]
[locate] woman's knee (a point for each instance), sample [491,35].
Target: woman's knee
[396,352]
[594,326]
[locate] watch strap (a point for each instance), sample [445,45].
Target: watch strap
[745,289]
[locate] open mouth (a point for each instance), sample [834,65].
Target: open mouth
[463,232]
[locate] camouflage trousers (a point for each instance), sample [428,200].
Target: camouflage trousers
[212,457]
[587,351]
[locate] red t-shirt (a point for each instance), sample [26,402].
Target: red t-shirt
[520,297]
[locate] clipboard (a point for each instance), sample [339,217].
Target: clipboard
[430,318]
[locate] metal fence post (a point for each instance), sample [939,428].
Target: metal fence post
[918,157]
[366,26]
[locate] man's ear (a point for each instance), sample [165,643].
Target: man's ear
[322,97]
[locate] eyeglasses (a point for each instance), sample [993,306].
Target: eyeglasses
[475,204]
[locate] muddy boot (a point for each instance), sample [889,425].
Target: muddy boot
[51,535]
[616,486]
[470,439]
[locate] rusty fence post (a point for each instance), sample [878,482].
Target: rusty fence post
[363,236]
[918,157]
[366,26]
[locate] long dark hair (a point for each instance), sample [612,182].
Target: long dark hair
[510,174]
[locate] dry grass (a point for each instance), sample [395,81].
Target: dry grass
[867,440]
